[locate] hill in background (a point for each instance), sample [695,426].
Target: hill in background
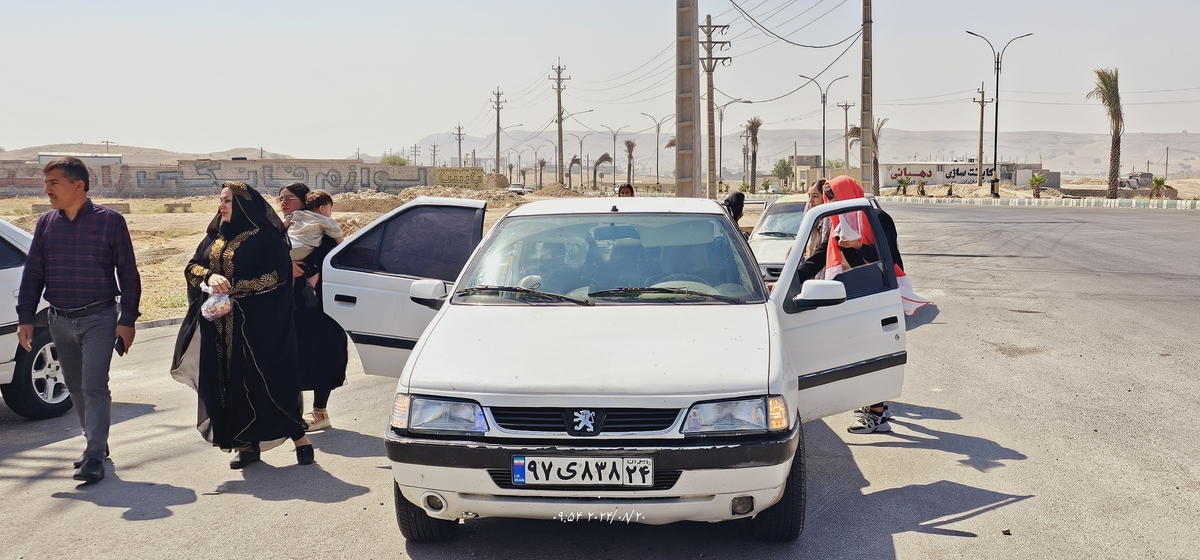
[137,155]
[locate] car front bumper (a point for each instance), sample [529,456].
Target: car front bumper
[711,473]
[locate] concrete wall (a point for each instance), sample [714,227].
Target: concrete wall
[1053,178]
[201,177]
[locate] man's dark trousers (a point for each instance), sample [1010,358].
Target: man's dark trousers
[85,349]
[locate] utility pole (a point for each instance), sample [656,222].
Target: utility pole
[866,139]
[498,104]
[1167,167]
[846,133]
[687,102]
[108,143]
[459,136]
[795,154]
[416,151]
[745,149]
[558,88]
[710,64]
[982,101]
[433,156]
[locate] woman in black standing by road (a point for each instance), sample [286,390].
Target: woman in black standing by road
[322,341]
[243,363]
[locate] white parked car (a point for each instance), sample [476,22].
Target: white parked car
[775,233]
[518,188]
[31,382]
[655,379]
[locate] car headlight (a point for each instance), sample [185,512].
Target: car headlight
[747,416]
[437,416]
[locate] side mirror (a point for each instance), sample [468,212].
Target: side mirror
[819,293]
[430,293]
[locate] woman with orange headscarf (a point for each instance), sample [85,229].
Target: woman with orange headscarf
[856,242]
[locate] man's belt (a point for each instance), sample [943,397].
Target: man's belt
[89,309]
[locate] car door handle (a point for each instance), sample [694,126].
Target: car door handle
[342,298]
[889,321]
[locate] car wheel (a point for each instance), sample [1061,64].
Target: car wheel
[416,525]
[38,389]
[784,521]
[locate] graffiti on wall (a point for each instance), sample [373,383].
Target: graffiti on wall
[468,177]
[202,176]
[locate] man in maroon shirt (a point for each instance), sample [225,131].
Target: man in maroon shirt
[76,248]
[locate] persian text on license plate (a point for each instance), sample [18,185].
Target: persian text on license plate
[583,471]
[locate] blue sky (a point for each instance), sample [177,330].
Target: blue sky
[320,79]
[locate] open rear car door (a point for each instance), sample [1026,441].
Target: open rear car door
[368,277]
[844,345]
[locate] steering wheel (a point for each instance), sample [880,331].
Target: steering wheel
[680,278]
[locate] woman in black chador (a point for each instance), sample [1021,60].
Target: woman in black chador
[243,365]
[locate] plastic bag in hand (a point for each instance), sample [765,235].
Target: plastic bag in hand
[216,306]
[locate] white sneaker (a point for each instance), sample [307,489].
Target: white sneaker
[869,423]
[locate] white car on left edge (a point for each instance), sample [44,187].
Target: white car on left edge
[31,382]
[654,378]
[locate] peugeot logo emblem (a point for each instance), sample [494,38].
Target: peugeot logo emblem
[585,420]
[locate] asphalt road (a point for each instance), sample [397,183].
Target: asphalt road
[1050,394]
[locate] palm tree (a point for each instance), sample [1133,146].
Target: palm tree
[752,127]
[574,161]
[629,146]
[541,163]
[1159,185]
[596,166]
[855,136]
[1036,181]
[1110,96]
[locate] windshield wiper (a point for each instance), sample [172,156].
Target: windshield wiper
[521,290]
[783,234]
[654,290]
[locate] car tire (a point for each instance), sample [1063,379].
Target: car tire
[38,389]
[416,525]
[784,521]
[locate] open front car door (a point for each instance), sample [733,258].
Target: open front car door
[368,278]
[843,339]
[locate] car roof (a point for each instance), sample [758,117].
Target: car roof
[793,198]
[605,205]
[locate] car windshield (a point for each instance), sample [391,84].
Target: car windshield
[596,259]
[781,219]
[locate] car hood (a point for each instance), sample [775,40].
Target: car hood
[771,250]
[601,351]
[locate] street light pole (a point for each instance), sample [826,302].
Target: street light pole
[657,139]
[614,152]
[721,139]
[577,137]
[996,126]
[823,100]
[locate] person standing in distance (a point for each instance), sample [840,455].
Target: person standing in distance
[77,246]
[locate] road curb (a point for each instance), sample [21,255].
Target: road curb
[1063,202]
[158,323]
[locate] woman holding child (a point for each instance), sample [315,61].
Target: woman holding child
[322,342]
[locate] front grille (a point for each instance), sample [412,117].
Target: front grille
[663,480]
[610,420]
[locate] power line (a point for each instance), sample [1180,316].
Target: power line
[793,43]
[826,69]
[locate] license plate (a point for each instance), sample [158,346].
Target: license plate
[583,471]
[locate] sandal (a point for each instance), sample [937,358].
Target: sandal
[318,419]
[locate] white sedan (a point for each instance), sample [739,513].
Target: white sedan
[654,380]
[31,382]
